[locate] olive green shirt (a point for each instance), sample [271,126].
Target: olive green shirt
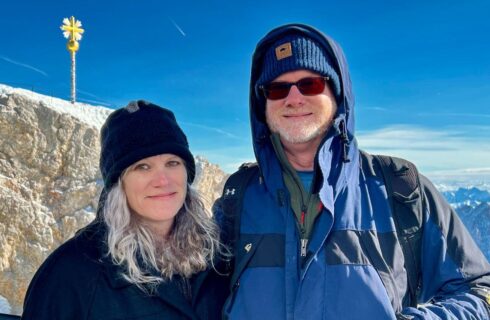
[306,206]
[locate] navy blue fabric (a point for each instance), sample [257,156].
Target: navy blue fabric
[305,54]
[354,231]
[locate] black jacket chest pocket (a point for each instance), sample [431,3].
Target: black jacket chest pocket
[129,302]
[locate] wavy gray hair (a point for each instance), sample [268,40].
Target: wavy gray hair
[191,246]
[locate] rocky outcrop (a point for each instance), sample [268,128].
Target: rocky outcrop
[49,180]
[210,180]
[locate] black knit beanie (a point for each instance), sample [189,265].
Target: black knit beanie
[138,131]
[295,52]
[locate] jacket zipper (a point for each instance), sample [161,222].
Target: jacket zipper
[304,211]
[303,240]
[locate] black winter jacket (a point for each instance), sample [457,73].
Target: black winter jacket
[78,281]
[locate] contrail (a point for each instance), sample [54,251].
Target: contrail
[98,100]
[177,26]
[101,103]
[88,94]
[25,66]
[222,132]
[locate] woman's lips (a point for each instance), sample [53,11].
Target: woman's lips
[162,195]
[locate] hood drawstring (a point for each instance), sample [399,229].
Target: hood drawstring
[344,138]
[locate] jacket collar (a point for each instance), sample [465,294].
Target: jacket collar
[167,291]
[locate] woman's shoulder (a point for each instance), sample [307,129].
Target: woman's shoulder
[68,277]
[72,263]
[84,250]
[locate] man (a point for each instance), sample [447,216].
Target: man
[315,226]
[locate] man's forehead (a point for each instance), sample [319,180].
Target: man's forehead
[295,75]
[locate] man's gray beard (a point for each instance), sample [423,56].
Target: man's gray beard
[306,133]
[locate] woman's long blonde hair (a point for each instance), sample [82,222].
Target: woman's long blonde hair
[191,246]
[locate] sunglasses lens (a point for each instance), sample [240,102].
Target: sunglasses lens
[311,86]
[276,90]
[307,86]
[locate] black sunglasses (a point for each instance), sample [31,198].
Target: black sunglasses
[307,86]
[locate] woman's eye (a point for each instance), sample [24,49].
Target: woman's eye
[174,163]
[141,166]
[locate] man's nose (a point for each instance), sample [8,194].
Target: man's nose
[294,97]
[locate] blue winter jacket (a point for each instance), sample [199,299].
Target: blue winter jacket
[337,279]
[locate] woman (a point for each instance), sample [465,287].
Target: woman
[152,252]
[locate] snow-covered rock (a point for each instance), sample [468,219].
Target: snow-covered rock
[470,196]
[49,151]
[477,219]
[473,207]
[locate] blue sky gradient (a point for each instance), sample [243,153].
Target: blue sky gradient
[420,69]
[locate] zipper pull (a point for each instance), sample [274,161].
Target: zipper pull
[304,244]
[303,215]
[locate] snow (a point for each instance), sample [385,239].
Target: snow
[89,210]
[467,203]
[90,114]
[448,186]
[4,306]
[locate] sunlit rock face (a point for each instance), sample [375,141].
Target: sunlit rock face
[210,180]
[49,181]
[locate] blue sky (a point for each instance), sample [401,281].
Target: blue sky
[420,69]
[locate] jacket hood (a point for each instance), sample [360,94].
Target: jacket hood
[257,102]
[343,126]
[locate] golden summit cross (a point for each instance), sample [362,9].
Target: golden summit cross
[72,28]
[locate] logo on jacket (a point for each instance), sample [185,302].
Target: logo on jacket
[230,191]
[248,246]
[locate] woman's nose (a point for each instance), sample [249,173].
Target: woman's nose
[160,178]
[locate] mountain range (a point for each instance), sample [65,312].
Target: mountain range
[473,207]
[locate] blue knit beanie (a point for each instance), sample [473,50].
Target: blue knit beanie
[295,52]
[138,131]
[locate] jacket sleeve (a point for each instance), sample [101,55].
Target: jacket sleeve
[455,273]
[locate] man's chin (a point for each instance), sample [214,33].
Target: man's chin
[299,137]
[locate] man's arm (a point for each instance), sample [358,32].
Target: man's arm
[455,273]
